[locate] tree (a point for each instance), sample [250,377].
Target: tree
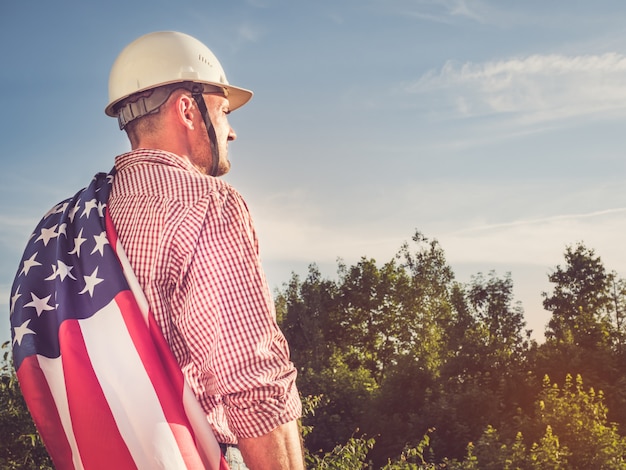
[503,321]
[484,379]
[486,336]
[371,315]
[427,305]
[586,329]
[618,319]
[417,310]
[581,300]
[303,310]
[400,348]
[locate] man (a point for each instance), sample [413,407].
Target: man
[191,244]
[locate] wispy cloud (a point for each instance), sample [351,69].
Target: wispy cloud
[543,220]
[540,241]
[465,8]
[248,32]
[537,88]
[438,11]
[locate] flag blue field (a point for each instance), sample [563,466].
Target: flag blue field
[82,333]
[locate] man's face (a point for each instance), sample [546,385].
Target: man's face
[218,108]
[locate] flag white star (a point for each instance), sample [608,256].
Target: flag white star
[101,207]
[101,240]
[73,212]
[39,304]
[78,241]
[14,298]
[89,205]
[53,210]
[91,282]
[62,270]
[62,229]
[53,275]
[29,263]
[47,234]
[58,209]
[21,331]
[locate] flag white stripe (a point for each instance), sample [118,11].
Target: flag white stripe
[206,443]
[132,280]
[53,371]
[129,391]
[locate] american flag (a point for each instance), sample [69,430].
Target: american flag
[104,390]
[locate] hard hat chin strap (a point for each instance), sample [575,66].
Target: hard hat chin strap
[151,103]
[215,153]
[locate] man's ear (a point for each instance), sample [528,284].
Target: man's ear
[185,109]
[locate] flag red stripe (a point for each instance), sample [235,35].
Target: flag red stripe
[99,441]
[110,230]
[169,389]
[44,412]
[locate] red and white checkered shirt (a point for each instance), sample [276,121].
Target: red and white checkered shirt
[191,242]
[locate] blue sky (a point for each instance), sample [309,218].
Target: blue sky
[495,127]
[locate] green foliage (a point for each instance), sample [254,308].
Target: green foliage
[548,453]
[586,331]
[369,315]
[412,458]
[484,378]
[20,445]
[579,419]
[304,308]
[351,455]
[344,400]
[576,435]
[402,348]
[442,375]
[581,302]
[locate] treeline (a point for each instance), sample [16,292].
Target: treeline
[411,369]
[403,367]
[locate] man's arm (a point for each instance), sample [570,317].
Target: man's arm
[280,449]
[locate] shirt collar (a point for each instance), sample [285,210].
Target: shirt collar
[154,156]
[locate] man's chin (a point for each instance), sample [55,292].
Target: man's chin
[223,169]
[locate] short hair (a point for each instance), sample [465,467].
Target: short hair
[143,126]
[150,123]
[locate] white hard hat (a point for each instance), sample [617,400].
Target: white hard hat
[163,58]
